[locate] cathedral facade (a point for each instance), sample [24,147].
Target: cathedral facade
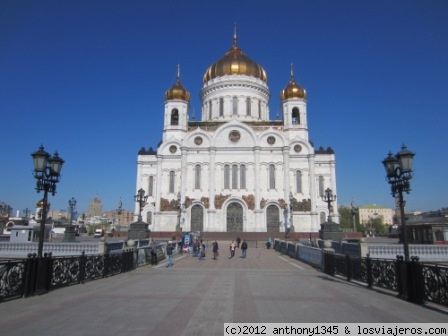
[236,170]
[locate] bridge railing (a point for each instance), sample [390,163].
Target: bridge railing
[413,280]
[31,276]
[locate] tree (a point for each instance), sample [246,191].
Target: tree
[346,218]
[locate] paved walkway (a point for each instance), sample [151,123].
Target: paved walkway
[197,297]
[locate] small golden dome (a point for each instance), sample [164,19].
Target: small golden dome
[40,204]
[177,91]
[292,90]
[235,62]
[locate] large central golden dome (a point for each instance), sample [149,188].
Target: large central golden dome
[235,62]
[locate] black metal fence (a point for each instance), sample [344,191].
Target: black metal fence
[414,281]
[31,276]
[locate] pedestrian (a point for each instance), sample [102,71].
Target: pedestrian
[238,241]
[244,249]
[196,248]
[154,260]
[201,250]
[215,249]
[169,254]
[232,249]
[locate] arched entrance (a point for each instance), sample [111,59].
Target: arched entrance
[197,218]
[272,219]
[235,217]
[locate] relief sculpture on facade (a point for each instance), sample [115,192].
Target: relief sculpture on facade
[205,201]
[262,203]
[250,201]
[305,205]
[167,205]
[188,202]
[219,200]
[282,203]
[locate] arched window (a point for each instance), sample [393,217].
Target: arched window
[226,177]
[149,217]
[321,186]
[210,114]
[248,111]
[271,176]
[323,217]
[234,177]
[174,117]
[243,177]
[235,106]
[299,181]
[151,186]
[197,177]
[295,116]
[171,184]
[221,107]
[259,109]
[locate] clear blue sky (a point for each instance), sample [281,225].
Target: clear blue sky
[87,78]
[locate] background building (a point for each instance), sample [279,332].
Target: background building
[236,170]
[370,212]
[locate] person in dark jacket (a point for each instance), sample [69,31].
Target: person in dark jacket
[215,249]
[169,254]
[153,252]
[244,249]
[238,241]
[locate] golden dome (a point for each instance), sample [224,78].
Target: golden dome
[292,90]
[177,91]
[40,203]
[235,62]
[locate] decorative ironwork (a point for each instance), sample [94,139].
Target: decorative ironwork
[66,272]
[435,280]
[384,273]
[11,279]
[94,267]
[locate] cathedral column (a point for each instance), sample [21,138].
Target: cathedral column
[211,212]
[257,177]
[183,173]
[212,179]
[260,223]
[159,179]
[286,185]
[313,196]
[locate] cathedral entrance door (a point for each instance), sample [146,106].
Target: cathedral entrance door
[272,219]
[197,218]
[234,217]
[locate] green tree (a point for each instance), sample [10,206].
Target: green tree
[345,217]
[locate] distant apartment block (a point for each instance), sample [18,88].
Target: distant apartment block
[373,211]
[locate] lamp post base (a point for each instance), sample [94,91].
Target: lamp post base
[70,234]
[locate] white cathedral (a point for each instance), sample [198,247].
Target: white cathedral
[236,170]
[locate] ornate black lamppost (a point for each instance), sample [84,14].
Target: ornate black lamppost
[47,172]
[140,198]
[329,198]
[399,172]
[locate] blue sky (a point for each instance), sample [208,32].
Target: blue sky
[87,78]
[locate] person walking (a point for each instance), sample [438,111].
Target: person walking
[244,249]
[238,241]
[169,254]
[215,249]
[232,249]
[201,250]
[154,252]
